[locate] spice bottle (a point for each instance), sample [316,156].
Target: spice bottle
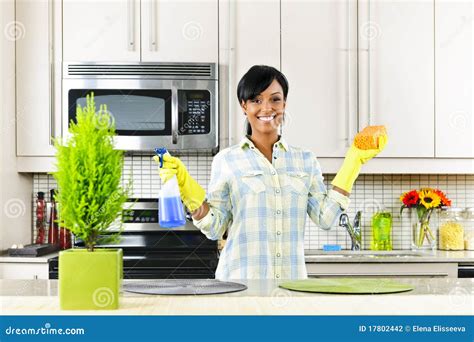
[53,232]
[40,218]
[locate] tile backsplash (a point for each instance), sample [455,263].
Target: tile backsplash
[369,193]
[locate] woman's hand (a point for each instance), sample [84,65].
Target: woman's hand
[365,155]
[192,193]
[353,161]
[172,166]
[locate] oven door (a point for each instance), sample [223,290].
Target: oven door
[147,113]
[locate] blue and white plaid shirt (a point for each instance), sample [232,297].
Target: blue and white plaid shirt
[263,206]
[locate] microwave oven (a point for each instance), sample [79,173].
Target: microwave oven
[171,105]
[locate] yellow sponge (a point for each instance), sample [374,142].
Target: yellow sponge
[367,139]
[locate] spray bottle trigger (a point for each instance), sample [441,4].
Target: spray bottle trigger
[160,151]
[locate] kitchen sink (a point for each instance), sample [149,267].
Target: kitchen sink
[364,254]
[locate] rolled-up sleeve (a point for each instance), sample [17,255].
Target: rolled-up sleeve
[219,217]
[324,207]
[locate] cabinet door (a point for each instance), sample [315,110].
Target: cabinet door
[454,79]
[250,35]
[179,31]
[37,77]
[318,42]
[23,270]
[99,31]
[396,74]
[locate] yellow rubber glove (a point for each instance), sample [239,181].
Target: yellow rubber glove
[353,161]
[192,193]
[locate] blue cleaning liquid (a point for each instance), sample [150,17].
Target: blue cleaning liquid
[171,212]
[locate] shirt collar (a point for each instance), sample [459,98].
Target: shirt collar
[247,142]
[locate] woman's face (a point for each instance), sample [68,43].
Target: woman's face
[265,112]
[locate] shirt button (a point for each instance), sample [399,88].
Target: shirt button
[277,191]
[278,233]
[274,157]
[278,276]
[273,173]
[278,254]
[278,211]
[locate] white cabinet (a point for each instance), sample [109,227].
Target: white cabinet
[396,74]
[38,76]
[388,269]
[318,39]
[179,31]
[454,30]
[389,66]
[24,270]
[102,30]
[134,31]
[249,35]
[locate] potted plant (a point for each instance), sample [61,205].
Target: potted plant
[422,203]
[91,197]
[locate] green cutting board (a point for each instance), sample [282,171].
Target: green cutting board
[347,285]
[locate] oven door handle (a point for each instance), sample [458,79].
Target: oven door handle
[174,115]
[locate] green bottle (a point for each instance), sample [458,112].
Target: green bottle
[381,231]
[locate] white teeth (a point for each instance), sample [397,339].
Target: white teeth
[266,118]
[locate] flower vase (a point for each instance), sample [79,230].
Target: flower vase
[421,223]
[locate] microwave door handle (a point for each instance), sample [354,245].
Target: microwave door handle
[174,115]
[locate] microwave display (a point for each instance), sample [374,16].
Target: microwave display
[135,111]
[194,112]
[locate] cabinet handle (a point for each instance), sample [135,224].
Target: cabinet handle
[174,115]
[52,121]
[153,25]
[131,25]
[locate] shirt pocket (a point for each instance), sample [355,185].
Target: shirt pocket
[252,182]
[297,182]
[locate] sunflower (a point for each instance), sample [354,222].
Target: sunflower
[429,198]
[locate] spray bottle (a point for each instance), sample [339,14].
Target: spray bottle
[171,211]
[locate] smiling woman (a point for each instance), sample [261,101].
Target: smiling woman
[262,189]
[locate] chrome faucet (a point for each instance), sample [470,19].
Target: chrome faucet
[353,230]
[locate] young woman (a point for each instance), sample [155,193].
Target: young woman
[262,188]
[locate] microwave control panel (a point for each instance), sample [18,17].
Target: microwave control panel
[194,112]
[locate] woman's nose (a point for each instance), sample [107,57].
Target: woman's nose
[267,106]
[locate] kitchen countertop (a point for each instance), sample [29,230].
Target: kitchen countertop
[40,259]
[318,256]
[431,296]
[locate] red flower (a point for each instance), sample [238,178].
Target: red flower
[444,200]
[410,198]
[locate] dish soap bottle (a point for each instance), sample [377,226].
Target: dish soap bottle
[170,210]
[381,231]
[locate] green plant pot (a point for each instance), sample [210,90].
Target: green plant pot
[90,280]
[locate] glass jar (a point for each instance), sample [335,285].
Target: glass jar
[469,229]
[451,229]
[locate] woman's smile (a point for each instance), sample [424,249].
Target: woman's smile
[266,118]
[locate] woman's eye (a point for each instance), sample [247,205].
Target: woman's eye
[276,99]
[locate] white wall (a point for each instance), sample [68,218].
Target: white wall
[15,188]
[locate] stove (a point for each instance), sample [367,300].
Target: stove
[153,252]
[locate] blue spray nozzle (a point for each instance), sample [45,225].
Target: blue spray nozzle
[160,151]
